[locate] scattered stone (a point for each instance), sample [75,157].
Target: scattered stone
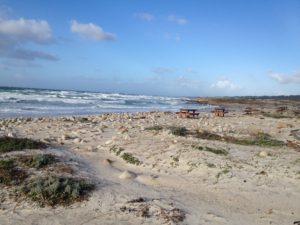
[263,154]
[11,134]
[77,140]
[109,142]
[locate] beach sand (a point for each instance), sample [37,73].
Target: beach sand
[176,179]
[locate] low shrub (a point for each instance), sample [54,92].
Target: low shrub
[208,136]
[260,139]
[217,151]
[116,150]
[8,144]
[39,161]
[129,158]
[274,115]
[155,128]
[178,131]
[10,174]
[54,190]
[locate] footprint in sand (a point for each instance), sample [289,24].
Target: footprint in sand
[127,175]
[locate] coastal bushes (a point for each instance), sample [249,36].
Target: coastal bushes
[116,150]
[129,158]
[10,174]
[38,161]
[178,131]
[208,136]
[155,128]
[260,139]
[274,115]
[45,187]
[8,144]
[55,190]
[217,151]
[175,130]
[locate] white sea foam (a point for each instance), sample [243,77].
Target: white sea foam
[16,102]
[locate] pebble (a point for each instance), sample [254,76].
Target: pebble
[263,154]
[11,134]
[77,140]
[109,142]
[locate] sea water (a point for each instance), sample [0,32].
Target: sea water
[42,102]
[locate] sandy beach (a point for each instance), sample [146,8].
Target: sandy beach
[147,173]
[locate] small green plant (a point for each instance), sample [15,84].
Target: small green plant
[175,158]
[39,161]
[225,171]
[10,174]
[274,115]
[178,131]
[7,164]
[54,190]
[211,165]
[8,144]
[260,139]
[217,151]
[116,150]
[155,128]
[208,136]
[129,158]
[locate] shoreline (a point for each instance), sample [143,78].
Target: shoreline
[145,156]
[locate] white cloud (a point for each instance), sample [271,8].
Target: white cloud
[26,30]
[163,70]
[27,54]
[16,33]
[91,31]
[225,84]
[145,16]
[286,79]
[177,19]
[191,70]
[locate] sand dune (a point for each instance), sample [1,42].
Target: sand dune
[149,176]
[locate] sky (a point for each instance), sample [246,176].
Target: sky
[153,47]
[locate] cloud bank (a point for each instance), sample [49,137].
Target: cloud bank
[26,30]
[91,31]
[14,34]
[284,78]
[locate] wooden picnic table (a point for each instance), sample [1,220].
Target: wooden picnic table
[187,113]
[220,111]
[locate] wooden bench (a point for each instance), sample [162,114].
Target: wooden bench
[187,113]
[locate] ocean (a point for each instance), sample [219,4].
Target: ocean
[25,102]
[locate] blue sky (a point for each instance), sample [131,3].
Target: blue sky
[178,48]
